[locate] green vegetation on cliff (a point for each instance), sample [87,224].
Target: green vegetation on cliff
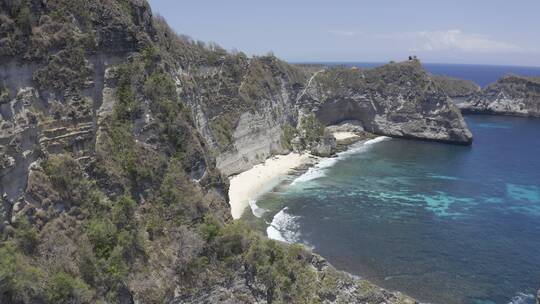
[454,87]
[121,199]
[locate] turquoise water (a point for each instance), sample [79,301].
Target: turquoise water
[442,223]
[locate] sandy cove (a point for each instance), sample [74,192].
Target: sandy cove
[251,184]
[262,178]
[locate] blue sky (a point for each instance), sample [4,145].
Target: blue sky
[473,31]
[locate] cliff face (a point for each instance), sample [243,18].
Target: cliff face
[114,136]
[400,100]
[510,95]
[240,105]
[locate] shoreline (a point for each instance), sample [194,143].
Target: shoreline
[248,186]
[283,225]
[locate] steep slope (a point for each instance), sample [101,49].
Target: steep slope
[510,95]
[242,109]
[114,136]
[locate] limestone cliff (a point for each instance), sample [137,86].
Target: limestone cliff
[114,135]
[510,95]
[399,99]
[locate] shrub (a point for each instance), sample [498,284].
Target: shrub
[160,86]
[211,228]
[26,236]
[183,199]
[123,213]
[283,270]
[24,19]
[67,69]
[289,133]
[127,107]
[102,236]
[4,95]
[67,178]
[19,282]
[312,128]
[64,288]
[65,174]
[223,128]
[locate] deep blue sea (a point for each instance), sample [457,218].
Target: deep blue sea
[442,223]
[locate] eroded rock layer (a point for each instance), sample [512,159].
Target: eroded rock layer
[510,95]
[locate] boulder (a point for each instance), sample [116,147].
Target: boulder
[325,147]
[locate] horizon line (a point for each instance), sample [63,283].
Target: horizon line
[423,62]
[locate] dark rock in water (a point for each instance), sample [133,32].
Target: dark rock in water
[510,95]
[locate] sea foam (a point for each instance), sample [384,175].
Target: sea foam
[319,170]
[522,298]
[255,209]
[283,227]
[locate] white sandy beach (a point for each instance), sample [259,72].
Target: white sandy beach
[344,135]
[251,184]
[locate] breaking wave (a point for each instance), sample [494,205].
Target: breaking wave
[522,298]
[255,209]
[284,227]
[319,169]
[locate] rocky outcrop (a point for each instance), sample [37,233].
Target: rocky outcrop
[459,90]
[325,147]
[241,106]
[346,126]
[510,95]
[399,99]
[339,287]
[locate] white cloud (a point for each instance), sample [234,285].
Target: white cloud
[457,40]
[342,33]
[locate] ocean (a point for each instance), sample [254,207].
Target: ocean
[441,223]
